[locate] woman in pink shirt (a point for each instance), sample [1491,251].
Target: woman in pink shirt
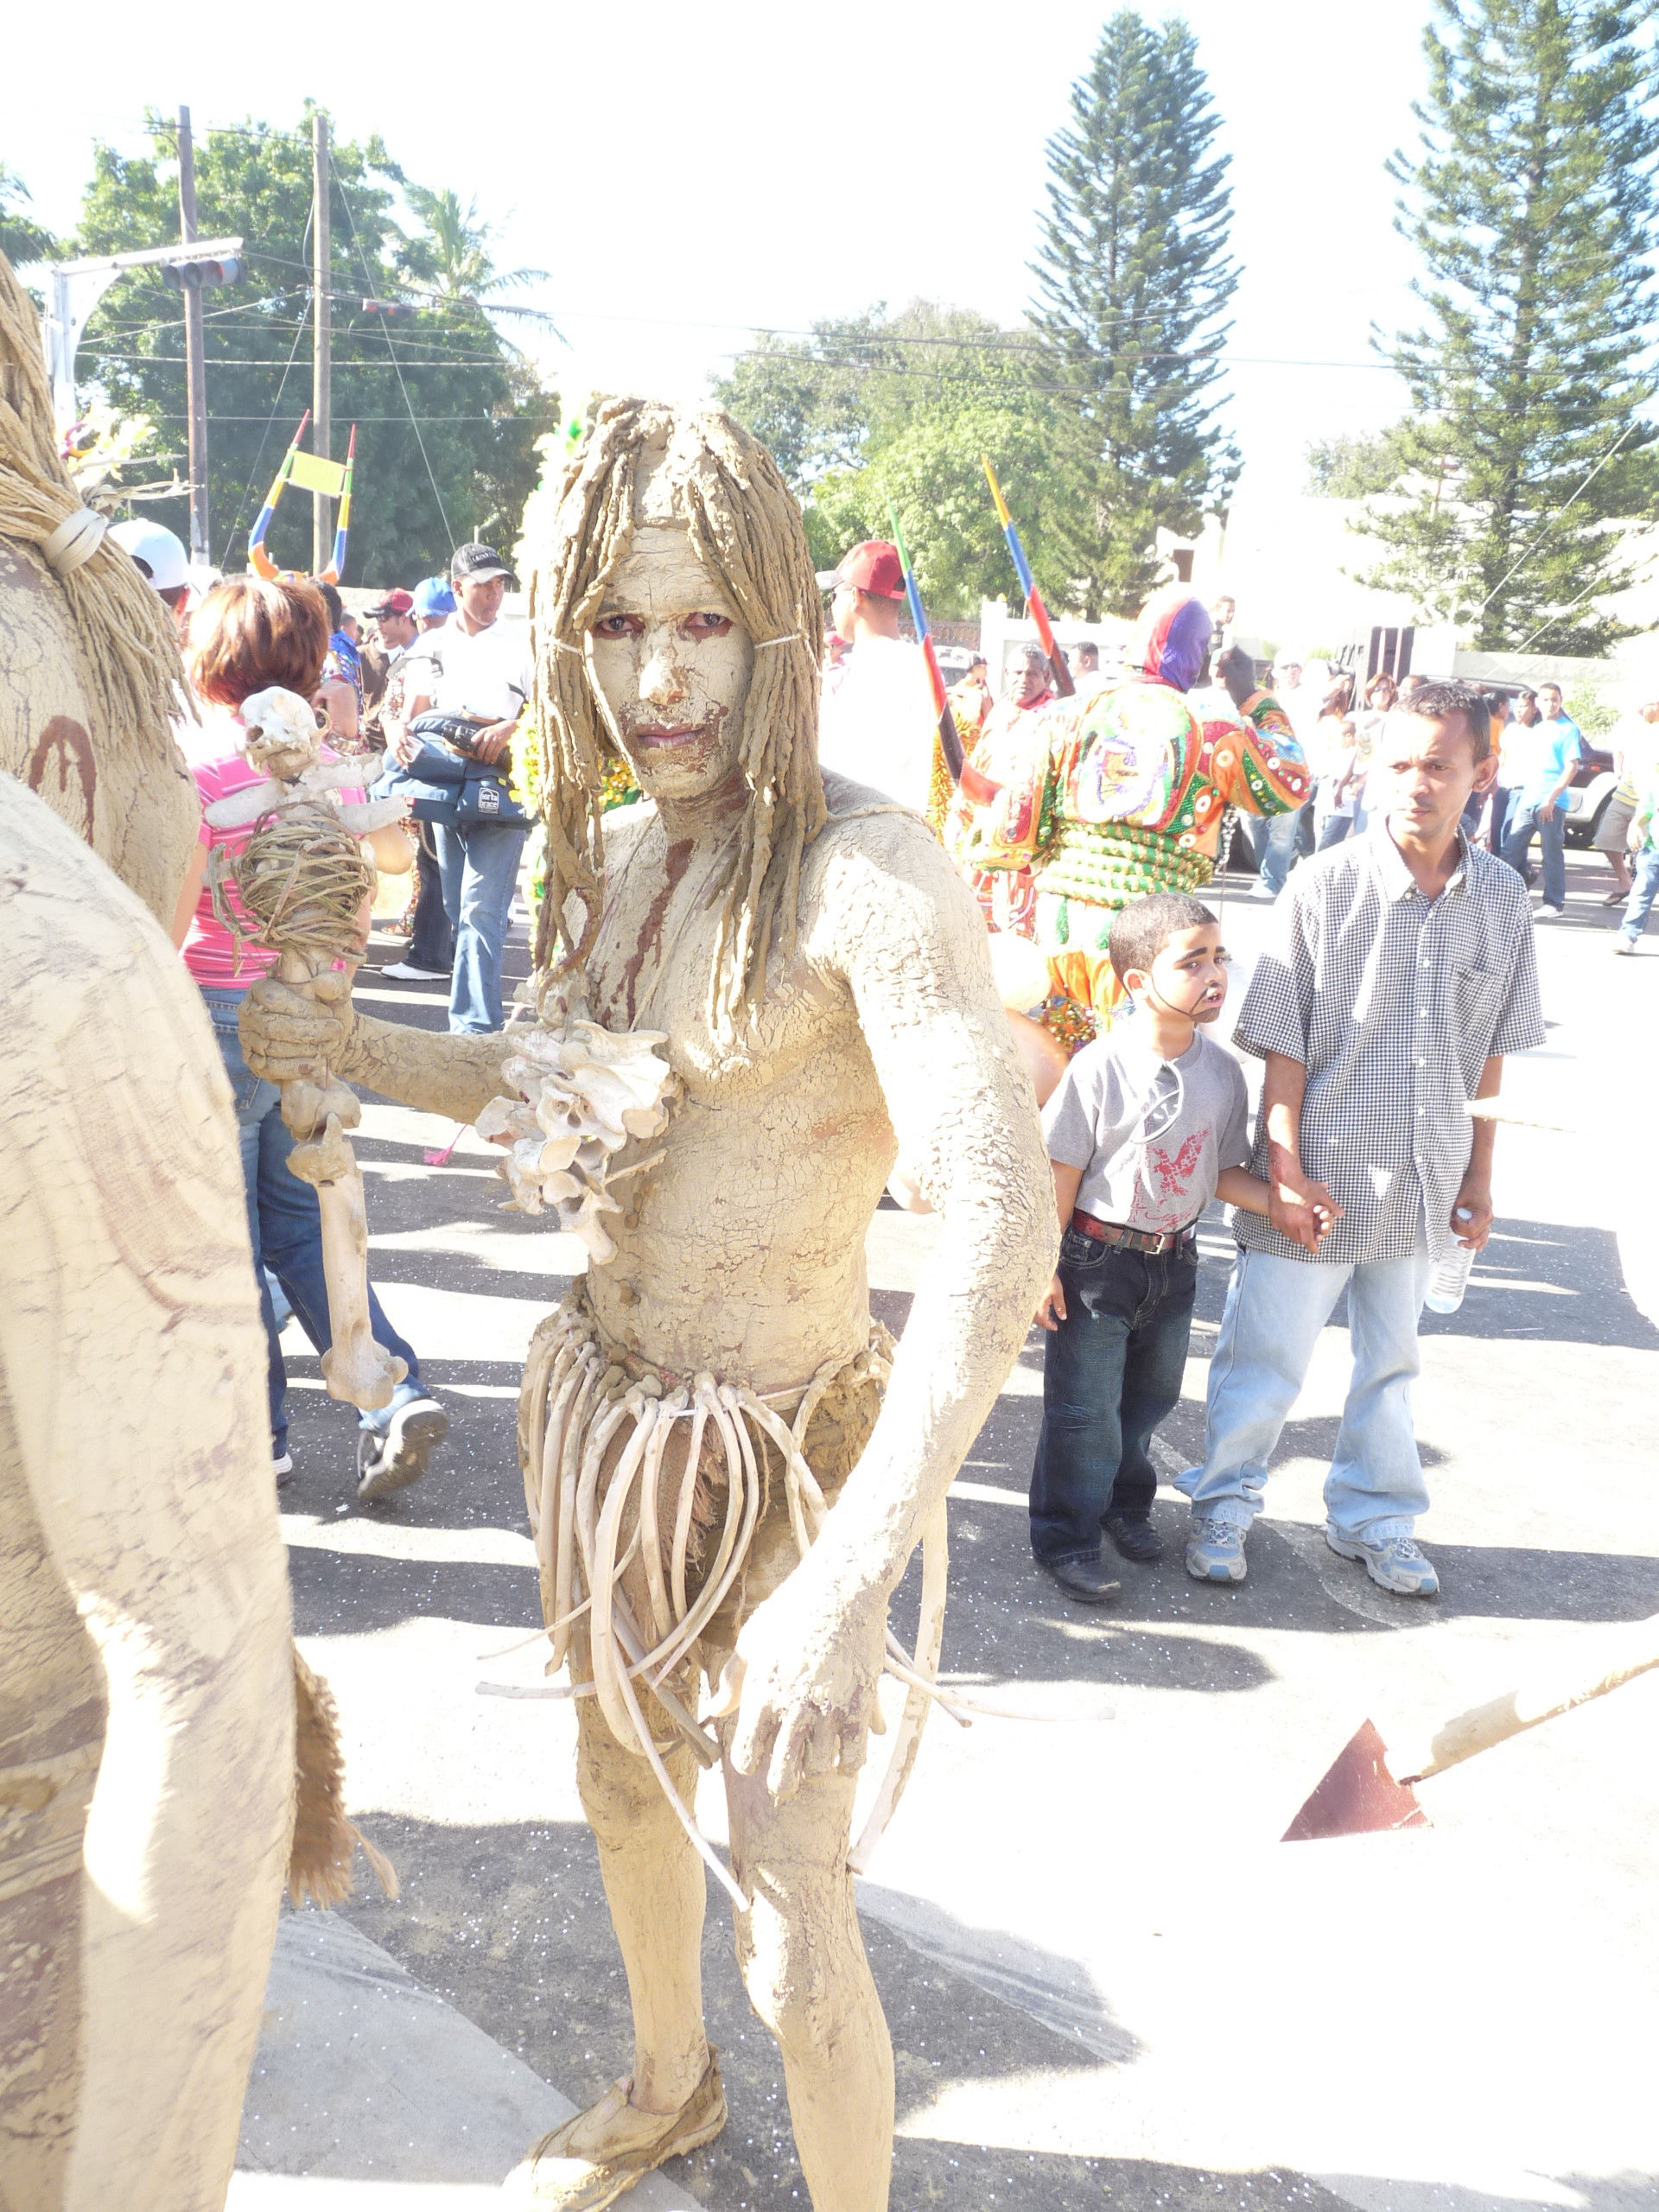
[246,636]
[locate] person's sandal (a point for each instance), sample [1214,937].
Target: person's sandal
[589,2161]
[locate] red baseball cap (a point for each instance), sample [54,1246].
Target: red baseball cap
[873,567]
[395,602]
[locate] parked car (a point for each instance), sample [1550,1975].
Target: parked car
[1586,796]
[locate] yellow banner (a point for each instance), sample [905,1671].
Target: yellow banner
[311,472]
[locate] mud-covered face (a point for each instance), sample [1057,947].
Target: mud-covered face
[673,661]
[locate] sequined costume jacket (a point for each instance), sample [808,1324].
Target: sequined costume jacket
[1102,798]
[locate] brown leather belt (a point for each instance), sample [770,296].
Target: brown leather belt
[1132,1240]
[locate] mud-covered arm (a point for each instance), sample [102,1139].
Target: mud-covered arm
[285,1031]
[898,926]
[1262,770]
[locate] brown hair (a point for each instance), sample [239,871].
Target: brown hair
[1377,682]
[248,634]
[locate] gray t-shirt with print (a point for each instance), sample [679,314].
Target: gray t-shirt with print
[1151,1136]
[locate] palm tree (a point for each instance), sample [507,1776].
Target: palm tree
[455,250]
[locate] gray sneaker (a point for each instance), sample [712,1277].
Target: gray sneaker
[1395,1564]
[1215,1550]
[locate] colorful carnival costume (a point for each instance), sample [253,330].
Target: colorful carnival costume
[1103,798]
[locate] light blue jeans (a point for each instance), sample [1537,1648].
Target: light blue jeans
[1273,837]
[1644,891]
[478,864]
[1276,1310]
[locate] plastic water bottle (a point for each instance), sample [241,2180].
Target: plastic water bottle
[1451,1276]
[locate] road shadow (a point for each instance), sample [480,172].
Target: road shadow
[509,1924]
[1582,1300]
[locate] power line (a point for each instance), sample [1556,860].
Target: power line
[363,257]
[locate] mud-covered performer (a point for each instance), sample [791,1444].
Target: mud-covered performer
[820,978]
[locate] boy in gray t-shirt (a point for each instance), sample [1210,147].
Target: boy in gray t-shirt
[1148,1124]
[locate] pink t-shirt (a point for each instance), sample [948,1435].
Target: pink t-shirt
[211,953]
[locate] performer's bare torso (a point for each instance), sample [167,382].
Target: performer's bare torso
[742,1249]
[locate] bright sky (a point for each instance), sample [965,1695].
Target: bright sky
[688,175]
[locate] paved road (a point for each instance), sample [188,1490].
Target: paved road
[1106,1978]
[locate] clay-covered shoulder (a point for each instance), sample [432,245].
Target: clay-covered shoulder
[871,841]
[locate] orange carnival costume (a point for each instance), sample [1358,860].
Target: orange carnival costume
[1065,815]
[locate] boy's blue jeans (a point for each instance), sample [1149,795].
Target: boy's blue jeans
[1111,1371]
[1275,1311]
[286,1228]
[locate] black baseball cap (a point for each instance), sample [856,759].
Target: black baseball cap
[472,563]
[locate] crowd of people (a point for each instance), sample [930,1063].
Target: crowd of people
[1392,823]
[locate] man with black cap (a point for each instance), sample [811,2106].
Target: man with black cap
[877,726]
[476,669]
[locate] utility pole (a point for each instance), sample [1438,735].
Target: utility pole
[322,527]
[195,368]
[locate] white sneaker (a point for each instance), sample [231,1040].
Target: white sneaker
[282,1467]
[1623,944]
[391,1458]
[1395,1564]
[403,972]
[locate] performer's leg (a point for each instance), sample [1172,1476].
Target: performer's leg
[654,1883]
[804,1965]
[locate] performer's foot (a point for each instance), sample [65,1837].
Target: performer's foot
[592,2159]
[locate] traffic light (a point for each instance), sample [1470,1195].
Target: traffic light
[202,276]
[392,310]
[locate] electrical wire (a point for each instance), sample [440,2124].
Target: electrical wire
[363,257]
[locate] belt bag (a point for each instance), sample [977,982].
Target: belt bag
[445,783]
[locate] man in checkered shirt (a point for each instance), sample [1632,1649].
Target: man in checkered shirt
[1402,973]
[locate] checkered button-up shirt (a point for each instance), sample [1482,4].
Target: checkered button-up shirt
[1393,1003]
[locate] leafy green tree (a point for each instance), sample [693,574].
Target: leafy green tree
[902,408]
[1352,466]
[1531,200]
[464,463]
[1132,275]
[22,239]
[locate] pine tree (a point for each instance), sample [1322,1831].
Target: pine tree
[1132,275]
[1531,201]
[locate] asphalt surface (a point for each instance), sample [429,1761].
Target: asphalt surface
[1107,1980]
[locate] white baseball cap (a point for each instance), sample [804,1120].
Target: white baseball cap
[162,553]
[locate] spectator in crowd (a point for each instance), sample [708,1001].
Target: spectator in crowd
[1514,749]
[1330,756]
[395,631]
[1485,805]
[1644,842]
[475,669]
[1548,760]
[1380,696]
[1223,625]
[1274,836]
[1030,679]
[246,635]
[434,602]
[877,725]
[1633,745]
[1402,972]
[160,557]
[1146,1125]
[432,954]
[1088,657]
[342,694]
